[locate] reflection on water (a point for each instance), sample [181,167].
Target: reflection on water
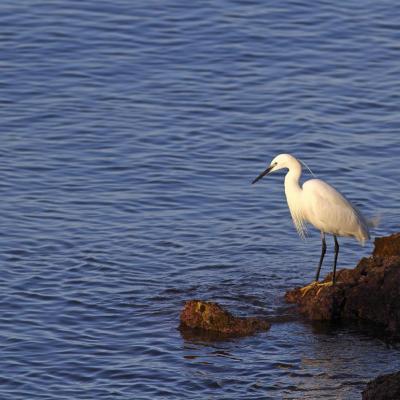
[318,364]
[202,336]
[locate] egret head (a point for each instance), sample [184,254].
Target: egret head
[279,162]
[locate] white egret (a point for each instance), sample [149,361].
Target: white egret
[321,205]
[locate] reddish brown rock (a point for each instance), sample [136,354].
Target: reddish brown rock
[384,387]
[210,317]
[387,246]
[370,292]
[317,302]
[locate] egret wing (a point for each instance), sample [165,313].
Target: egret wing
[331,212]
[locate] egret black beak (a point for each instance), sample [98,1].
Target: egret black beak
[263,174]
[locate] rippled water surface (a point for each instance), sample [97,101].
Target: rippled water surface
[130,133]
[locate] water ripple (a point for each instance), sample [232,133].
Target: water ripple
[130,134]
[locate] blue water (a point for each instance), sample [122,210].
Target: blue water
[130,133]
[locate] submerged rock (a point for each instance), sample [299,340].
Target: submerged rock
[384,387]
[370,292]
[212,321]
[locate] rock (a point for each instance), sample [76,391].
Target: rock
[318,302]
[370,292]
[211,320]
[387,246]
[384,387]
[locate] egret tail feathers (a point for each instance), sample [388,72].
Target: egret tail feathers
[371,223]
[374,221]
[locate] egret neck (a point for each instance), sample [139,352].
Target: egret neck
[293,193]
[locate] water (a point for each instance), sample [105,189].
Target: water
[130,134]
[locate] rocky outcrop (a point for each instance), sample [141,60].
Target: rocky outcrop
[384,387]
[387,246]
[210,320]
[370,292]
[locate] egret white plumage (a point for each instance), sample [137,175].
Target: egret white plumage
[321,205]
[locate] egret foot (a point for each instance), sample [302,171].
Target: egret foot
[330,283]
[324,284]
[307,288]
[312,285]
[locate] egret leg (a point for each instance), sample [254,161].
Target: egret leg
[336,256]
[323,251]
